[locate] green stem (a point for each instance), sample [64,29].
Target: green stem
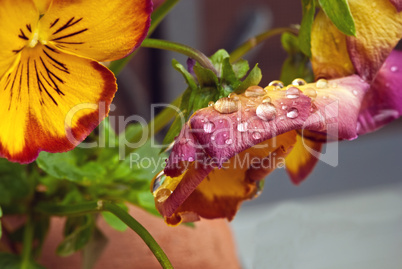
[27,244]
[141,231]
[254,41]
[157,16]
[180,48]
[93,207]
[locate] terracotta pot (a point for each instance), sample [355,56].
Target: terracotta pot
[209,245]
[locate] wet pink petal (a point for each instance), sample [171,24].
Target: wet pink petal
[383,102]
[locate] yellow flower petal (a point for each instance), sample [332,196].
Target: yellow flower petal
[221,192]
[51,101]
[330,57]
[42,5]
[103,30]
[300,162]
[378,30]
[17,19]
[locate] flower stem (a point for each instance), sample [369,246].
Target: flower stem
[180,48]
[254,41]
[97,206]
[27,246]
[156,18]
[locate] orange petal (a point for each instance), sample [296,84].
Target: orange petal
[378,30]
[103,30]
[330,57]
[17,20]
[50,102]
[301,161]
[211,192]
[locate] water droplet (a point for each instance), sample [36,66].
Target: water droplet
[299,82]
[225,135]
[242,127]
[256,135]
[322,83]
[355,92]
[226,105]
[293,113]
[228,141]
[190,159]
[238,119]
[250,103]
[254,91]
[162,195]
[209,127]
[211,103]
[284,107]
[158,181]
[213,138]
[266,100]
[233,96]
[394,68]
[310,92]
[325,97]
[292,93]
[247,109]
[266,111]
[220,121]
[276,83]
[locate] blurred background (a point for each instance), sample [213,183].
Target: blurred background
[348,216]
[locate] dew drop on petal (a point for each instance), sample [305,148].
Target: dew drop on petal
[228,141]
[322,83]
[242,127]
[213,138]
[247,109]
[299,82]
[254,91]
[158,181]
[220,121]
[355,92]
[226,105]
[276,83]
[162,195]
[292,93]
[394,68]
[233,96]
[266,111]
[211,103]
[209,127]
[310,92]
[225,135]
[256,135]
[266,99]
[284,107]
[293,113]
[190,159]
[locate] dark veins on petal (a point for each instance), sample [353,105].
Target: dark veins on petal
[67,25]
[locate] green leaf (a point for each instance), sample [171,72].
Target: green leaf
[339,13]
[206,78]
[78,231]
[11,261]
[14,182]
[187,76]
[241,68]
[290,43]
[297,64]
[217,59]
[253,78]
[229,79]
[114,221]
[93,250]
[1,215]
[306,25]
[72,166]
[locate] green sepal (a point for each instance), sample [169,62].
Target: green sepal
[339,13]
[253,78]
[306,26]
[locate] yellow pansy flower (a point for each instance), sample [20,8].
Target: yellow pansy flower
[53,90]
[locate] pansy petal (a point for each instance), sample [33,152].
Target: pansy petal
[301,161]
[103,30]
[256,117]
[383,102]
[222,190]
[397,4]
[42,5]
[50,102]
[330,57]
[378,30]
[17,19]
[336,106]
